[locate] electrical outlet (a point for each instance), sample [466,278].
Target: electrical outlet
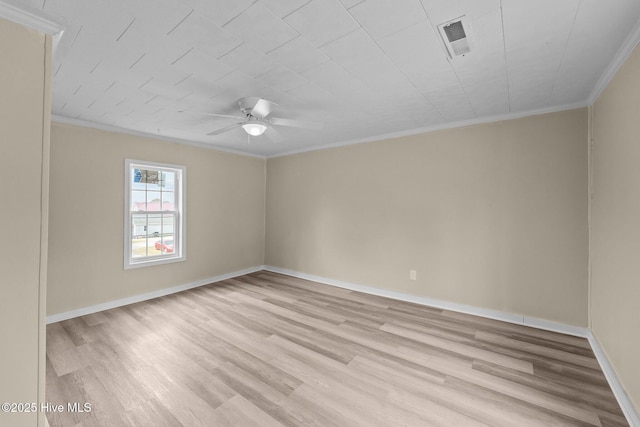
[413,275]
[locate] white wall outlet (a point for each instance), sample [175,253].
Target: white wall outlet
[413,275]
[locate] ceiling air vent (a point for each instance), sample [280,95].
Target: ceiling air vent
[455,35]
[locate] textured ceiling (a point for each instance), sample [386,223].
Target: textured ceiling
[362,68]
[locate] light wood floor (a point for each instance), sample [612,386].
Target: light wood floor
[269,350]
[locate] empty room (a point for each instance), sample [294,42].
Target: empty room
[320,213]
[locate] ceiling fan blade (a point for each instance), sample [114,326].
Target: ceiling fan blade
[274,135]
[295,123]
[225,129]
[195,113]
[262,108]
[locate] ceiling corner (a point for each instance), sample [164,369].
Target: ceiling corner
[619,59]
[29,16]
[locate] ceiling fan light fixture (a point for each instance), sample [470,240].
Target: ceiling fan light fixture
[254,129]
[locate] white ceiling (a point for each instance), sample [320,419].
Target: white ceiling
[364,68]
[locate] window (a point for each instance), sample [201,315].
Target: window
[154,214]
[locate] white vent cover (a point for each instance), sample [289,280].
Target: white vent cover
[455,35]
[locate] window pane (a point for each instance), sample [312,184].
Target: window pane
[168,225]
[138,235]
[138,186]
[136,180]
[166,244]
[153,200]
[154,234]
[154,225]
[138,201]
[136,175]
[168,201]
[154,182]
[168,181]
[147,176]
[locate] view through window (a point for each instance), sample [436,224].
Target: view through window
[155,213]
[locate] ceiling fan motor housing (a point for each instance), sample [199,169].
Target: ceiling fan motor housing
[246,104]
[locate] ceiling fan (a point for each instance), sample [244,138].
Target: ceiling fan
[255,118]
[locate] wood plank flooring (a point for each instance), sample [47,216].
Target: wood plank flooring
[271,350]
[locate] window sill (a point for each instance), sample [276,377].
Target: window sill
[151,262]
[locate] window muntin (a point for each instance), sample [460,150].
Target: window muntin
[154,213]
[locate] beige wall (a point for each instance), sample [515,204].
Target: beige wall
[225,216]
[24,144]
[615,224]
[493,215]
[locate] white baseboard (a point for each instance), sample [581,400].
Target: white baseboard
[445,305]
[147,296]
[562,328]
[623,400]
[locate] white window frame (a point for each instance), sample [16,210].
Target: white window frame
[180,227]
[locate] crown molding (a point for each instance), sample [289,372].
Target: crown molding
[115,129]
[618,61]
[29,16]
[443,126]
[417,131]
